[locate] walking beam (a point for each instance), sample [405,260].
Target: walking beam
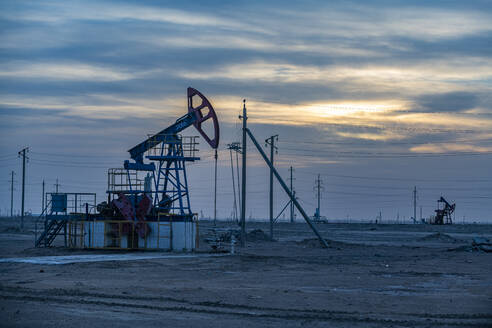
[287,190]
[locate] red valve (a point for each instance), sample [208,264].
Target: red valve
[197,108]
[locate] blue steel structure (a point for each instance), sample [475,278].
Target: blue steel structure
[163,158]
[168,153]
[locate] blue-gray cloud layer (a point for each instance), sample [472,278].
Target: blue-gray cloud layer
[93,78]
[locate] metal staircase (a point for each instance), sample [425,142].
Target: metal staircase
[50,227]
[62,211]
[50,232]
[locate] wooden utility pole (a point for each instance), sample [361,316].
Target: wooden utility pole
[271,141]
[291,169]
[42,199]
[56,185]
[415,204]
[318,188]
[12,195]
[23,154]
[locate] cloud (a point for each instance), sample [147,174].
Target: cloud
[334,80]
[445,148]
[442,75]
[64,71]
[447,102]
[373,21]
[60,12]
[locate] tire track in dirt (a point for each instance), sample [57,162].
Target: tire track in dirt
[168,304]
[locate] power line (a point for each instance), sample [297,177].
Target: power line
[379,142]
[395,179]
[74,155]
[360,154]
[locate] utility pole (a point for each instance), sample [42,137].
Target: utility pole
[291,169]
[12,195]
[215,189]
[23,154]
[238,151]
[415,204]
[271,141]
[286,189]
[420,213]
[234,207]
[42,199]
[243,186]
[237,148]
[318,187]
[56,185]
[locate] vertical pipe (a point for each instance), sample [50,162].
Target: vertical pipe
[243,187]
[12,196]
[233,186]
[318,213]
[215,189]
[272,146]
[291,203]
[238,180]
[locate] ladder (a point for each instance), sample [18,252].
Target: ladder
[50,232]
[169,225]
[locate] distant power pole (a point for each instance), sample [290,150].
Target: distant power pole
[56,185]
[12,195]
[415,204]
[23,154]
[291,169]
[271,141]
[237,149]
[318,188]
[420,213]
[234,204]
[42,199]
[238,180]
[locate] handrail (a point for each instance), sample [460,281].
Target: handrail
[38,220]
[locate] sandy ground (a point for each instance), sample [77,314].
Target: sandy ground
[370,276]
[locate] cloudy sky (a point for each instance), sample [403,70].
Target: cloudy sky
[375,96]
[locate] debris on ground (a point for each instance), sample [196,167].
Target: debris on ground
[315,243]
[218,238]
[442,237]
[482,244]
[257,235]
[478,244]
[11,229]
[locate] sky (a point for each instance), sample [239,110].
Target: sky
[377,97]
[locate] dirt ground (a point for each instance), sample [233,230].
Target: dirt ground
[370,276]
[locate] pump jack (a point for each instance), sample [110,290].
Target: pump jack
[443,216]
[168,153]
